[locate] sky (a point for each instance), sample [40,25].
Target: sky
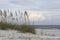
[50,9]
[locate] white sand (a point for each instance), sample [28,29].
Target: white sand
[41,34]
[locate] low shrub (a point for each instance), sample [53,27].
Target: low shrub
[3,26]
[27,28]
[22,28]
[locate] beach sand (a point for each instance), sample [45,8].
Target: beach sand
[41,34]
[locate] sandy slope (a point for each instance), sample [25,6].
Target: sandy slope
[41,34]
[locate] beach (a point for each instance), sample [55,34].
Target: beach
[41,34]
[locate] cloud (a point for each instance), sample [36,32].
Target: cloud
[13,5]
[36,16]
[4,4]
[3,1]
[26,4]
[33,4]
[38,4]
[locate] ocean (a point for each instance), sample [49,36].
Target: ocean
[47,26]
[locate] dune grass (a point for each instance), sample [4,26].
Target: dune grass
[27,28]
[22,28]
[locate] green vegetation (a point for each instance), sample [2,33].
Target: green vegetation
[27,28]
[4,26]
[21,28]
